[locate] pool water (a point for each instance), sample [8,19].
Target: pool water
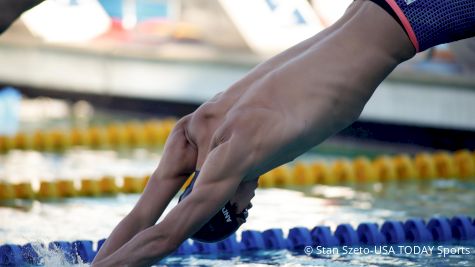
[94,218]
[286,258]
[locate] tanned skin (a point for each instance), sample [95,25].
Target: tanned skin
[279,110]
[282,108]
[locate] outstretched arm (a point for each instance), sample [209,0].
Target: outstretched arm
[278,111]
[218,182]
[176,165]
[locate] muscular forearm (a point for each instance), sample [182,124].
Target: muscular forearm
[144,215]
[123,232]
[156,242]
[142,250]
[313,90]
[175,167]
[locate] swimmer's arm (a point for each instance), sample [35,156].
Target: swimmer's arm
[12,9]
[137,221]
[209,194]
[176,165]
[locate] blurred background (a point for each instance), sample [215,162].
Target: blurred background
[76,58]
[90,89]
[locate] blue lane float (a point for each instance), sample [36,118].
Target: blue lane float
[229,245]
[63,247]
[30,254]
[11,255]
[252,240]
[440,229]
[323,236]
[346,235]
[298,238]
[274,239]
[82,251]
[393,231]
[205,248]
[369,234]
[462,227]
[416,231]
[413,231]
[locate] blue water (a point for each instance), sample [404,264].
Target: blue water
[94,218]
[86,218]
[286,258]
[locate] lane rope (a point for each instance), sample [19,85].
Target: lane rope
[151,133]
[422,167]
[437,230]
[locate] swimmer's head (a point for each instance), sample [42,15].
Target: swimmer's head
[228,219]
